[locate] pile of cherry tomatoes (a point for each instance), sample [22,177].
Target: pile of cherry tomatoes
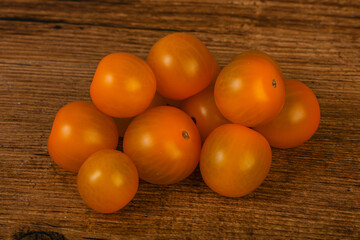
[174,111]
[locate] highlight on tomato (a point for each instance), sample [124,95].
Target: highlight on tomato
[123,85]
[298,119]
[107,181]
[250,91]
[79,130]
[164,144]
[204,112]
[182,64]
[235,160]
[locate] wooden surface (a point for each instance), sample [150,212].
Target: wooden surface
[49,51]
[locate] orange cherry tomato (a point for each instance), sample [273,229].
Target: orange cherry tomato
[107,181]
[297,121]
[182,64]
[235,160]
[123,123]
[202,109]
[79,130]
[123,85]
[255,53]
[164,144]
[249,91]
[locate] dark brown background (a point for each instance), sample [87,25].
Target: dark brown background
[49,51]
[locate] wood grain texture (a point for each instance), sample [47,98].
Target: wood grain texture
[49,51]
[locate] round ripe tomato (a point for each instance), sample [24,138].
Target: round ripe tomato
[297,121]
[79,130]
[250,91]
[107,181]
[234,160]
[182,64]
[202,109]
[123,85]
[164,144]
[123,123]
[255,53]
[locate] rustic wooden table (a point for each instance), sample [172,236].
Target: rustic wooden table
[49,51]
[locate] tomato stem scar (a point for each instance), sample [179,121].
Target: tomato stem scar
[185,134]
[274,83]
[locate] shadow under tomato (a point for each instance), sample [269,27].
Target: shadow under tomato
[38,235]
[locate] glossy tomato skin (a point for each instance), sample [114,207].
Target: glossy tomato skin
[255,53]
[79,130]
[203,110]
[235,160]
[249,91]
[164,144]
[182,64]
[297,121]
[123,85]
[123,123]
[107,181]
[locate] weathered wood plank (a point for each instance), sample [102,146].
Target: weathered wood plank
[49,52]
